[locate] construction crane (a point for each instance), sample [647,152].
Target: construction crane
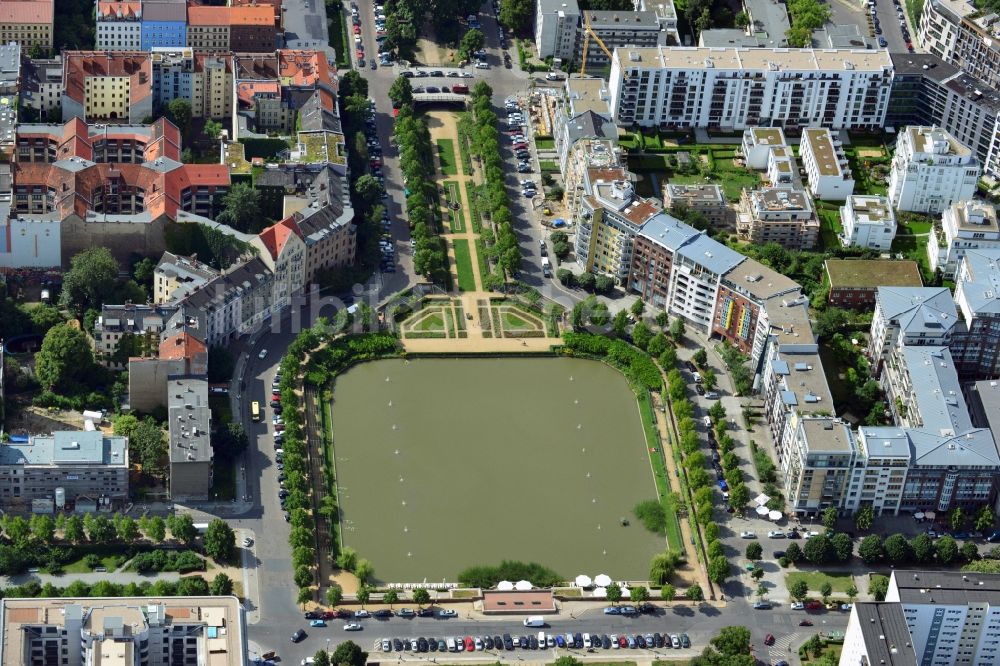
[588,32]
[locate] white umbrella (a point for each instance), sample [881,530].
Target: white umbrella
[774,515]
[602,579]
[761,510]
[919,515]
[761,499]
[625,591]
[583,581]
[522,585]
[505,585]
[930,515]
[600,592]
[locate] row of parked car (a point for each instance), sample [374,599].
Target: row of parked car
[541,641]
[517,131]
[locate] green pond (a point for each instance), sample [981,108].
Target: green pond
[447,463]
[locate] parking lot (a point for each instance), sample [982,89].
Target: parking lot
[892,23]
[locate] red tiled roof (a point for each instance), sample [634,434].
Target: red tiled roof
[75,139]
[303,68]
[220,16]
[26,11]
[276,236]
[247,90]
[114,9]
[78,65]
[182,345]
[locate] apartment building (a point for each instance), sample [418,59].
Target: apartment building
[190,448]
[41,84]
[556,26]
[877,634]
[203,79]
[976,347]
[737,88]
[282,249]
[126,331]
[175,277]
[242,29]
[758,142]
[952,616]
[931,171]
[235,303]
[130,144]
[164,24]
[853,281]
[599,153]
[611,215]
[964,36]
[182,631]
[119,26]
[107,86]
[752,298]
[617,29]
[827,171]
[931,92]
[877,479]
[965,226]
[910,316]
[180,354]
[782,214]
[868,221]
[316,199]
[666,14]
[27,22]
[709,200]
[81,463]
[817,463]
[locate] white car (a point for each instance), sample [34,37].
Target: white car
[798,605]
[776,534]
[352,626]
[482,65]
[748,535]
[262,355]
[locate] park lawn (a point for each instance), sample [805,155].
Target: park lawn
[829,224]
[545,143]
[446,154]
[915,249]
[463,263]
[815,579]
[914,227]
[548,166]
[831,649]
[432,322]
[512,321]
[674,539]
[111,556]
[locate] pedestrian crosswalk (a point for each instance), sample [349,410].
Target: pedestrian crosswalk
[785,646]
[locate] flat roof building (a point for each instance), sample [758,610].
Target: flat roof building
[190,448]
[827,171]
[931,170]
[855,282]
[709,200]
[82,463]
[780,214]
[184,631]
[877,634]
[868,221]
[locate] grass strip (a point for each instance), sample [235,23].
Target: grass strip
[446,156]
[674,539]
[463,262]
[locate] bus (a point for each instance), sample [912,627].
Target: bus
[255,411]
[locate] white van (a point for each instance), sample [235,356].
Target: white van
[586,641]
[534,621]
[541,640]
[451,645]
[697,377]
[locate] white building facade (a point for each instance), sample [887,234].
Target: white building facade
[556,25]
[737,88]
[827,171]
[931,170]
[868,221]
[967,225]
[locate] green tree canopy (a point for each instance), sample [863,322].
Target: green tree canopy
[90,279]
[65,359]
[220,541]
[241,209]
[472,41]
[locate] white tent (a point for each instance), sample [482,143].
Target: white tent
[930,515]
[602,579]
[919,515]
[761,510]
[774,515]
[601,592]
[761,499]
[505,585]
[522,585]
[583,581]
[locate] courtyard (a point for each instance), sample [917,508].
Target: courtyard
[448,463]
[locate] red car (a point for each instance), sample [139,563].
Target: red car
[357,30]
[519,146]
[622,641]
[769,639]
[360,53]
[327,615]
[470,645]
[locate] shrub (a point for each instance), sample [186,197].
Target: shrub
[652,516]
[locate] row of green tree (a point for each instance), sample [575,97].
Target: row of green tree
[189,586]
[494,200]
[430,255]
[315,358]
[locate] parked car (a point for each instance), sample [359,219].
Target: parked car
[317,623]
[353,626]
[748,535]
[298,635]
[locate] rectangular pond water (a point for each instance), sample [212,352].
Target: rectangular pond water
[448,463]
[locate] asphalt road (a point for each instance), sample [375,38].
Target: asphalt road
[890,24]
